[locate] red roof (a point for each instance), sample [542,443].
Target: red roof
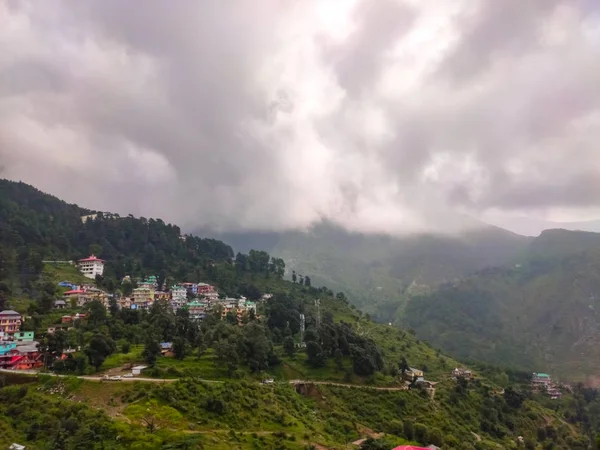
[410,447]
[74,291]
[91,258]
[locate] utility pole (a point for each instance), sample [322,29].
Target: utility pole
[302,327]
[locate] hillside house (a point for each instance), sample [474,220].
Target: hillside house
[178,293]
[20,356]
[197,310]
[204,288]
[192,287]
[151,282]
[10,321]
[462,372]
[23,336]
[91,267]
[411,373]
[60,304]
[143,298]
[540,380]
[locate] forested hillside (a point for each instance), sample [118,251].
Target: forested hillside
[379,272]
[540,314]
[35,226]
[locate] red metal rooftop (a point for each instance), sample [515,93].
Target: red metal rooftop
[91,258]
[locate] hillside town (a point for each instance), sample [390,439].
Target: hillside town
[19,350]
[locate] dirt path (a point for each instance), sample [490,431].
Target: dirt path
[357,386]
[98,379]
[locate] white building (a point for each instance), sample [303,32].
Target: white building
[179,293]
[92,266]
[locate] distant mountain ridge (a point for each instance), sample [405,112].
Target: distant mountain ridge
[542,312]
[379,271]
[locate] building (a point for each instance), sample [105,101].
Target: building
[91,266]
[197,310]
[462,373]
[60,304]
[150,282]
[192,287]
[204,288]
[178,293]
[411,373]
[10,321]
[23,336]
[540,380]
[142,298]
[137,370]
[20,356]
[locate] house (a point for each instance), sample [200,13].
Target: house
[166,348]
[151,282]
[142,298]
[137,370]
[411,373]
[540,380]
[15,446]
[24,356]
[462,372]
[23,336]
[161,295]
[91,266]
[178,293]
[197,310]
[204,288]
[10,321]
[124,302]
[66,319]
[60,304]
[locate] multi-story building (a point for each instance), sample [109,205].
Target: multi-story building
[150,282]
[143,298]
[197,310]
[90,267]
[204,288]
[10,322]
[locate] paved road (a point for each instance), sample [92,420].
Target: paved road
[171,380]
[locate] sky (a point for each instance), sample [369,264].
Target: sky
[392,116]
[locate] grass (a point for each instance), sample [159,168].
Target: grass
[58,273]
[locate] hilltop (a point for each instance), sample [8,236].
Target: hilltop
[340,345]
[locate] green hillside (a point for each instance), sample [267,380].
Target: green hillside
[541,314]
[348,376]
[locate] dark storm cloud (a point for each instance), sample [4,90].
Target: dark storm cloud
[389,115]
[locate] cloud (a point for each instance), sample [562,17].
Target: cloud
[396,115]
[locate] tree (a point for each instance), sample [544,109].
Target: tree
[403,365]
[408,430]
[314,353]
[98,349]
[421,433]
[294,277]
[199,343]
[254,347]
[179,348]
[307,281]
[289,346]
[151,350]
[226,354]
